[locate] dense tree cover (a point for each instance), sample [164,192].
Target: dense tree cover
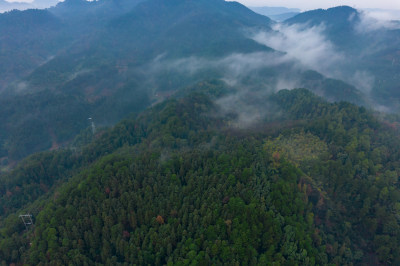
[37,35]
[193,207]
[361,177]
[181,183]
[45,119]
[37,174]
[27,128]
[177,185]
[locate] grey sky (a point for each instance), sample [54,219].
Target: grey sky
[314,4]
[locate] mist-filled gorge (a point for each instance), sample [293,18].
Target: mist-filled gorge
[183,132]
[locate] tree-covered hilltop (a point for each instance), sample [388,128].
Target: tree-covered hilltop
[180,184]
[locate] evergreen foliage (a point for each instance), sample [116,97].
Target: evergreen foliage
[177,185]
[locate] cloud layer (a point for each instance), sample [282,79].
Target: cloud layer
[304,44]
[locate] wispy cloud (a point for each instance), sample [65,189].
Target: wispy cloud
[304,44]
[251,76]
[232,69]
[362,80]
[307,47]
[373,20]
[247,108]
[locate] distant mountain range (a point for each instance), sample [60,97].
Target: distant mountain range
[276,13]
[7,6]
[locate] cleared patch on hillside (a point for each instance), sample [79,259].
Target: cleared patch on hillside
[298,148]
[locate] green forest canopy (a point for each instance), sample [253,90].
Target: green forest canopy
[177,185]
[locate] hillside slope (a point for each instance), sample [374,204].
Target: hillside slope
[181,184]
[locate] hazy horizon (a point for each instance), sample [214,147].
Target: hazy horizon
[316,4]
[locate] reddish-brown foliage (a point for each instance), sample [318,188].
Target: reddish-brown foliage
[159,219]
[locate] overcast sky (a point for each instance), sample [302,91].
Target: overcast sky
[314,4]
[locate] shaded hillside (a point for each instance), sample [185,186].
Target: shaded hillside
[28,39]
[153,28]
[338,20]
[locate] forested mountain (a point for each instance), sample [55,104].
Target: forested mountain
[220,158]
[105,59]
[182,184]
